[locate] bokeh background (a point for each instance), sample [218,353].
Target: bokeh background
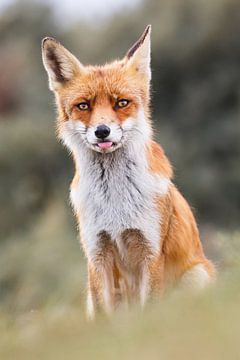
[196,112]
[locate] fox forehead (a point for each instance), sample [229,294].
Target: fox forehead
[110,80]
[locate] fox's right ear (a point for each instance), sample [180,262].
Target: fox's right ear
[60,64]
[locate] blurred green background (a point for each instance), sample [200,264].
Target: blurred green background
[196,112]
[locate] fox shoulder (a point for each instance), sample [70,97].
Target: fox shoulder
[158,161]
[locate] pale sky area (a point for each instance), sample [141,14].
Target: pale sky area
[74,9]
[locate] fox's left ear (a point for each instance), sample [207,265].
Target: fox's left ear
[139,55]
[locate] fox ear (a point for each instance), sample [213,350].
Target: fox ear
[139,55]
[60,64]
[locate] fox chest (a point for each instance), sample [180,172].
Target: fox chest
[113,199]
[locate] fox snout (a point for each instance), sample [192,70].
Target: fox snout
[102,131]
[104,137]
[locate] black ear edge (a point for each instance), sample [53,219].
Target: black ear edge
[138,43]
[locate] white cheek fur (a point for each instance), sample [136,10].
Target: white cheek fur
[73,133]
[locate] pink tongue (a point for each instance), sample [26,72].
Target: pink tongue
[105,145]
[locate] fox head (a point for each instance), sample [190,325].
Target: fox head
[102,107]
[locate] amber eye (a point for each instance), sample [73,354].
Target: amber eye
[122,103]
[83,106]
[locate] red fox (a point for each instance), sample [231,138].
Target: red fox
[137,231]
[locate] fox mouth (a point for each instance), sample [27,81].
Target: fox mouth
[105,146]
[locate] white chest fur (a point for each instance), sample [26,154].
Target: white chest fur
[116,192]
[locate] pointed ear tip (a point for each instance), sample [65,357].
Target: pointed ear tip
[47,40]
[148,30]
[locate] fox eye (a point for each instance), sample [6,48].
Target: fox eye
[83,106]
[122,103]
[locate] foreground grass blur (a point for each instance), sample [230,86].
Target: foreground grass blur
[44,317]
[179,327]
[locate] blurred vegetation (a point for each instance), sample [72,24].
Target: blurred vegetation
[196,109]
[181,326]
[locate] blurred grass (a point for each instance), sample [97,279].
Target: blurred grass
[177,327]
[44,265]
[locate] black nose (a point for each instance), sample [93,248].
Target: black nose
[102,131]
